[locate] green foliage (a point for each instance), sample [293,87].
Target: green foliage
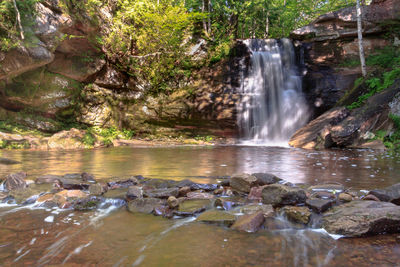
[350,62]
[205,138]
[388,63]
[9,31]
[391,140]
[89,139]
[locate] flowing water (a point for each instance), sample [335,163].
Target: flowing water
[111,236]
[272,106]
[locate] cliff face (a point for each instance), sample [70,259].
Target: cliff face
[330,45]
[61,75]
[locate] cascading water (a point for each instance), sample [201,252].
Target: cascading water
[272,105]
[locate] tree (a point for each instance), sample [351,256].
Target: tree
[360,39]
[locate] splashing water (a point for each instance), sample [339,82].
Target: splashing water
[272,105]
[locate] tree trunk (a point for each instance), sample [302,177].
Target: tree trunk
[19,20]
[360,40]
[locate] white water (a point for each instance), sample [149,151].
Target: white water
[272,105]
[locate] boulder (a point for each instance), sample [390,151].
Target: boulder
[118,193]
[199,195]
[15,181]
[266,178]
[183,191]
[134,192]
[87,204]
[250,223]
[278,194]
[172,202]
[191,207]
[266,210]
[96,189]
[48,179]
[145,205]
[319,205]
[344,197]
[388,194]
[370,197]
[161,192]
[217,217]
[358,218]
[243,182]
[122,183]
[297,214]
[256,193]
[72,139]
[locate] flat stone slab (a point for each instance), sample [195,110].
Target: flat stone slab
[217,217]
[161,192]
[192,206]
[389,194]
[319,205]
[250,223]
[358,218]
[145,205]
[119,193]
[278,194]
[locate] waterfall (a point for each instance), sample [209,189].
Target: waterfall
[272,105]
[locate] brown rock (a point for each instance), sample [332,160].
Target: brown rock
[172,202]
[371,197]
[256,193]
[249,223]
[199,195]
[183,191]
[297,214]
[218,191]
[15,181]
[134,192]
[243,182]
[344,197]
[96,189]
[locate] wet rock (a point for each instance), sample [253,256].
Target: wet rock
[344,197]
[358,218]
[319,205]
[323,195]
[161,192]
[388,194]
[158,184]
[87,177]
[172,202]
[184,183]
[217,217]
[3,196]
[5,161]
[297,214]
[124,183]
[183,191]
[371,197]
[15,181]
[64,198]
[225,182]
[218,191]
[256,193]
[277,194]
[199,195]
[266,210]
[87,204]
[71,139]
[21,195]
[45,198]
[250,223]
[243,182]
[205,187]
[119,193]
[96,189]
[191,207]
[134,192]
[76,184]
[164,211]
[145,205]
[266,178]
[49,178]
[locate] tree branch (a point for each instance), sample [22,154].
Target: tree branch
[19,20]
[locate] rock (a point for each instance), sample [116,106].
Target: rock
[124,183]
[266,210]
[256,193]
[184,183]
[331,188]
[72,139]
[15,181]
[277,194]
[145,205]
[183,191]
[250,223]
[134,192]
[205,187]
[96,189]
[319,205]
[172,202]
[87,204]
[297,214]
[388,194]
[243,182]
[45,198]
[191,207]
[266,178]
[164,211]
[161,192]
[5,161]
[49,178]
[358,218]
[370,197]
[159,184]
[119,193]
[344,197]
[217,217]
[323,195]
[218,191]
[76,184]
[199,195]
[22,195]
[64,198]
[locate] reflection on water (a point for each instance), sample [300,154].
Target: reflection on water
[125,239]
[359,169]
[111,236]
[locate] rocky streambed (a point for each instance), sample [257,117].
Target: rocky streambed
[243,202]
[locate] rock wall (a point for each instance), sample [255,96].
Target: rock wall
[330,43]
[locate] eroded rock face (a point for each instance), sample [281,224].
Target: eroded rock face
[359,218]
[278,194]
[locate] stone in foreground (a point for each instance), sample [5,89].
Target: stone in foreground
[388,194]
[192,206]
[250,223]
[217,217]
[319,205]
[358,218]
[278,194]
[15,181]
[243,182]
[266,178]
[297,214]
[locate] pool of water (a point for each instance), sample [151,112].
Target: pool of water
[111,236]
